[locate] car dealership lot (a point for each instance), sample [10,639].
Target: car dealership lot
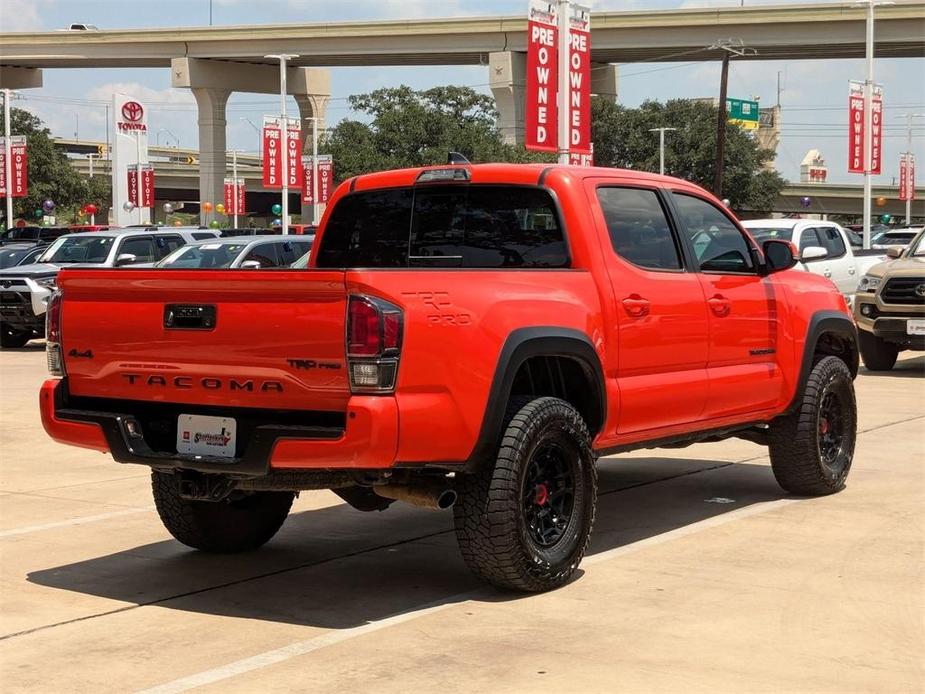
[702,576]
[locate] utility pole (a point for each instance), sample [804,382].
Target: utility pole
[908,153]
[7,157]
[564,9]
[283,58]
[729,47]
[868,110]
[661,147]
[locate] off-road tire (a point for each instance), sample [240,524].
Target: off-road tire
[876,353]
[222,527]
[797,445]
[11,339]
[492,529]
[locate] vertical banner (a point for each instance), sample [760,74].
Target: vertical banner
[294,156]
[540,129]
[910,172]
[907,177]
[325,179]
[272,157]
[579,80]
[18,170]
[855,127]
[234,197]
[147,186]
[578,159]
[876,128]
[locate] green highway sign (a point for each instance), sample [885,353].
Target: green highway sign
[743,113]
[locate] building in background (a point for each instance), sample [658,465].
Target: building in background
[813,168]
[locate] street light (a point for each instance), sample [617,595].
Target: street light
[661,147]
[259,138]
[76,126]
[283,58]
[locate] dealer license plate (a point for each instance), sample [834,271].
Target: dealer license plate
[915,327]
[206,436]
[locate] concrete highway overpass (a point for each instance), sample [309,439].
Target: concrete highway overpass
[811,30]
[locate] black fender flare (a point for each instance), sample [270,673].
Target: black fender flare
[821,323]
[520,345]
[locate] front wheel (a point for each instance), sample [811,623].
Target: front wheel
[812,448]
[876,353]
[10,338]
[242,522]
[524,521]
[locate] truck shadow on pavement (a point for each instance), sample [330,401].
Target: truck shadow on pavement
[338,568]
[905,368]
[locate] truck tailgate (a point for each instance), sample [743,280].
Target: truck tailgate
[276,339]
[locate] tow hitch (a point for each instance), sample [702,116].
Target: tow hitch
[196,486]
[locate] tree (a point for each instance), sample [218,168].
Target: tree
[621,138]
[410,128]
[51,176]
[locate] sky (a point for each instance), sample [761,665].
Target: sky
[813,92]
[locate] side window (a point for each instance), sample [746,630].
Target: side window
[810,237]
[142,247]
[833,241]
[265,254]
[168,243]
[290,251]
[638,228]
[718,243]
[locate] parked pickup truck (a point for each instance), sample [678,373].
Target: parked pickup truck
[890,306]
[824,248]
[473,336]
[24,289]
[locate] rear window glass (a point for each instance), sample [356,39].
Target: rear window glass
[467,226]
[767,233]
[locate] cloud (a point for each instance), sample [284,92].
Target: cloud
[21,15]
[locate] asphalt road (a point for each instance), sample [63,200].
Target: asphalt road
[702,576]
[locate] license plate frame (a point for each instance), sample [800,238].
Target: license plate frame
[206,436]
[915,326]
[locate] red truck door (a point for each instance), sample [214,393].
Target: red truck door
[744,310]
[662,323]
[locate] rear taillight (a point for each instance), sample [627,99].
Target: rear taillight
[53,336]
[374,334]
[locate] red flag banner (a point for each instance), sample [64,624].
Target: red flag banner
[911,174]
[229,196]
[294,156]
[240,197]
[234,197]
[542,77]
[579,80]
[19,168]
[907,177]
[147,186]
[876,127]
[325,179]
[856,127]
[272,157]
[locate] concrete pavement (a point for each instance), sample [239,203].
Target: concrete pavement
[703,576]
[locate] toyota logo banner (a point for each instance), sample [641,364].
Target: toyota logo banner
[129,150]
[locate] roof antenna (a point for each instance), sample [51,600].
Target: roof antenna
[457,158]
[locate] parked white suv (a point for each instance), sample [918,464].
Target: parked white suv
[824,249]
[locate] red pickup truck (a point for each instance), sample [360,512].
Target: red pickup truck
[468,335]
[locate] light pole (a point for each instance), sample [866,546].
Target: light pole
[283,58]
[563,7]
[868,110]
[259,138]
[76,126]
[661,147]
[7,157]
[908,153]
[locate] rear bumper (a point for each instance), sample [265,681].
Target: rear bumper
[367,438]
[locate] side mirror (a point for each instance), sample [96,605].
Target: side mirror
[895,251]
[779,255]
[251,265]
[813,253]
[125,259]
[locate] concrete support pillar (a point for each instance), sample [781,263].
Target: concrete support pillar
[20,77]
[605,80]
[212,154]
[507,77]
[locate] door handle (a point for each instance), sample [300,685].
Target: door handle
[720,305]
[636,306]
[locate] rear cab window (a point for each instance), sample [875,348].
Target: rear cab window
[445,226]
[638,228]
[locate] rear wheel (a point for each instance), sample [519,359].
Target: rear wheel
[236,524]
[876,353]
[812,448]
[11,338]
[524,522]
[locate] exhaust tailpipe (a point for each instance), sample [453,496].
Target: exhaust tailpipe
[434,495]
